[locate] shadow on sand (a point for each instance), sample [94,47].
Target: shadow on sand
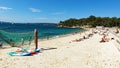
[49,48]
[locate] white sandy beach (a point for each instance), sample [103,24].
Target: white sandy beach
[62,53]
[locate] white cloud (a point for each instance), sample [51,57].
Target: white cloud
[58,13]
[35,10]
[4,8]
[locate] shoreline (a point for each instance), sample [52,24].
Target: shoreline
[49,38]
[60,52]
[64,35]
[54,37]
[60,36]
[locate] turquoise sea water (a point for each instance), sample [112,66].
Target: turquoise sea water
[45,30]
[14,33]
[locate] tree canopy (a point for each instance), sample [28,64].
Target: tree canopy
[91,21]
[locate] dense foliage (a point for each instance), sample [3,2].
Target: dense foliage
[91,21]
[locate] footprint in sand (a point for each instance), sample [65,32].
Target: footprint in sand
[105,63]
[103,60]
[117,60]
[0,59]
[108,59]
[110,64]
[87,63]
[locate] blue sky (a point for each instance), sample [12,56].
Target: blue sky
[53,11]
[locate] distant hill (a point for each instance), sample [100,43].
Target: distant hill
[54,24]
[5,22]
[91,21]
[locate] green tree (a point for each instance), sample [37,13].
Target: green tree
[92,21]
